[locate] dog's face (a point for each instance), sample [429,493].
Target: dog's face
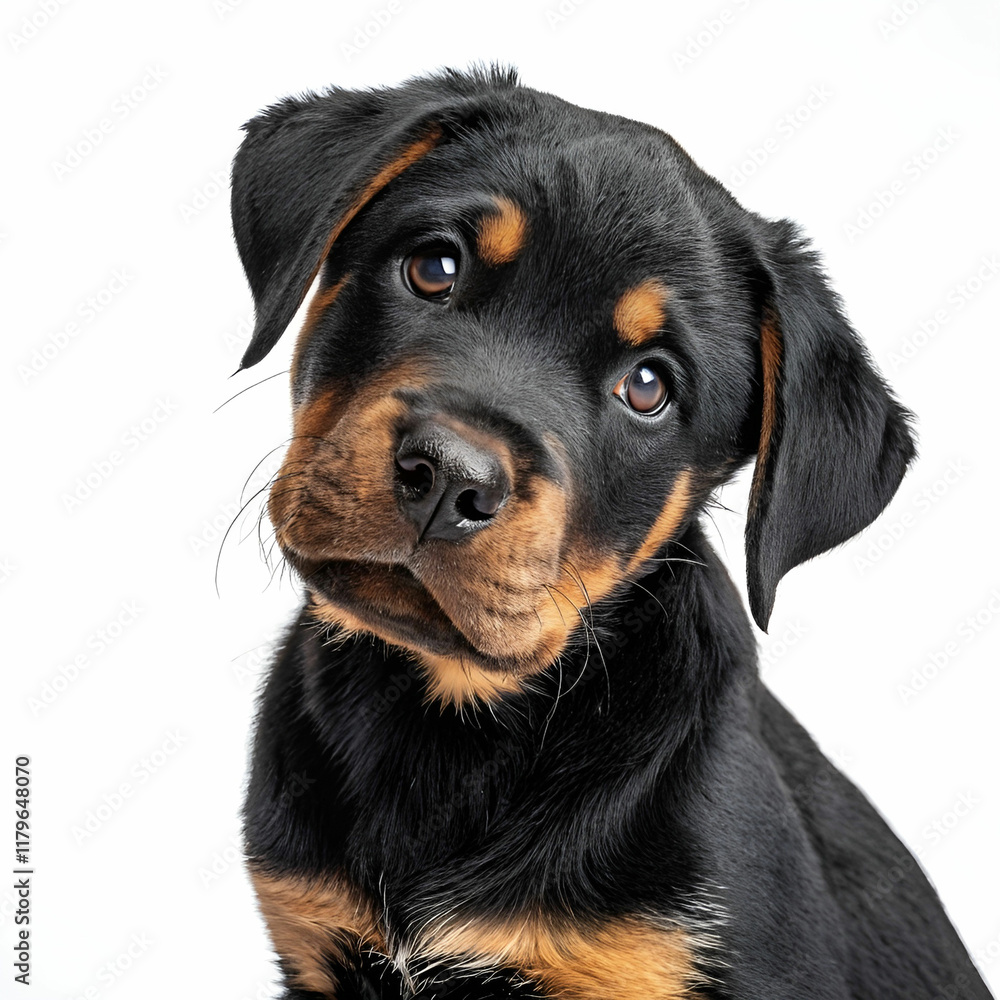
[542,338]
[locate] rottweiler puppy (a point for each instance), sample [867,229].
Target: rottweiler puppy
[515,744]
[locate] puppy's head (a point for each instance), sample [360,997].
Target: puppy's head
[541,338]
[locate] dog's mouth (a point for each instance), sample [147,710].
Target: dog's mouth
[388,600]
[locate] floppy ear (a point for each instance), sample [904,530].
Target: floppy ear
[308,165]
[834,443]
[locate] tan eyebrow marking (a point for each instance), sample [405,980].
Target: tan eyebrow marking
[502,233]
[641,311]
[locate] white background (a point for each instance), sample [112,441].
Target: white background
[138,894]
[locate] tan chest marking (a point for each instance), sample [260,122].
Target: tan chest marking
[623,959]
[628,958]
[313,922]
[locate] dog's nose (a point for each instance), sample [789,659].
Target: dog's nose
[450,485]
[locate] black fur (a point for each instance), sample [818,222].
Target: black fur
[648,771]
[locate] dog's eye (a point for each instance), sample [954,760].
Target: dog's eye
[643,389]
[431,272]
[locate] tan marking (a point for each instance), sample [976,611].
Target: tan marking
[666,525]
[324,611]
[320,302]
[451,680]
[458,682]
[311,922]
[623,959]
[340,461]
[770,357]
[463,684]
[502,233]
[420,148]
[640,312]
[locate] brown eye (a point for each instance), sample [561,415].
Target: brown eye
[431,273]
[644,389]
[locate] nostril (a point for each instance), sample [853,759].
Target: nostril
[478,504]
[448,484]
[416,473]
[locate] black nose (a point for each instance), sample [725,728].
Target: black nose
[450,486]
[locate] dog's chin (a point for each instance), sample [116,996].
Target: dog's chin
[388,601]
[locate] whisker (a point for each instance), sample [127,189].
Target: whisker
[232,523]
[283,444]
[249,387]
[655,598]
[589,631]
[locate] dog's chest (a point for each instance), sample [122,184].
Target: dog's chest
[337,944]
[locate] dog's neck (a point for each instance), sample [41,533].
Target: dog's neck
[628,720]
